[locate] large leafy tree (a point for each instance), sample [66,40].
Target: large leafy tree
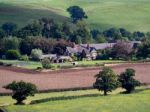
[26,45]
[10,43]
[33,29]
[106,80]
[127,80]
[21,90]
[9,28]
[83,32]
[77,13]
[51,29]
[46,45]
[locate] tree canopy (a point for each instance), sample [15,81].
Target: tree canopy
[77,13]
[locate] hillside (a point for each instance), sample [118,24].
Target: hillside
[131,14]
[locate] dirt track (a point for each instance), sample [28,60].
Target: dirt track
[66,78]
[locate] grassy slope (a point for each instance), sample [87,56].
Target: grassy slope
[137,102]
[131,14]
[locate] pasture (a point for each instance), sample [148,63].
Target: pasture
[136,102]
[133,15]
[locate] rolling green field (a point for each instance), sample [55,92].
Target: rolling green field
[131,14]
[136,102]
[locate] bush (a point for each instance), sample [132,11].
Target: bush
[39,68]
[12,54]
[36,54]
[21,90]
[127,80]
[47,64]
[24,58]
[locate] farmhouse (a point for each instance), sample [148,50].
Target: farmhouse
[91,49]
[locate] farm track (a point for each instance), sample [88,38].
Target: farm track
[69,78]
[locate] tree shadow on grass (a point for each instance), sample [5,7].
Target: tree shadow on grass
[136,90]
[64,98]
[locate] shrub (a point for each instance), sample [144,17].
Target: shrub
[36,54]
[39,68]
[21,90]
[24,58]
[46,63]
[106,80]
[12,54]
[127,80]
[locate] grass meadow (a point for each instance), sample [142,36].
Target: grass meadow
[133,15]
[115,102]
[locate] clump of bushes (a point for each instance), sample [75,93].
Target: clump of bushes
[13,54]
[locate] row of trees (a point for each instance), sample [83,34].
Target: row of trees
[13,48]
[26,46]
[78,32]
[106,81]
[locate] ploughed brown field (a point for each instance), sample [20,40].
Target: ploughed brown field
[64,79]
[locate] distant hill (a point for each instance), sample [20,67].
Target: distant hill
[131,14]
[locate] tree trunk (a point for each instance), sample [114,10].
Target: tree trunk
[19,102]
[105,92]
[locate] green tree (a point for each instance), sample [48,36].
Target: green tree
[11,43]
[21,90]
[2,34]
[26,45]
[112,34]
[106,80]
[12,54]
[127,81]
[84,32]
[9,28]
[144,50]
[33,29]
[100,38]
[77,13]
